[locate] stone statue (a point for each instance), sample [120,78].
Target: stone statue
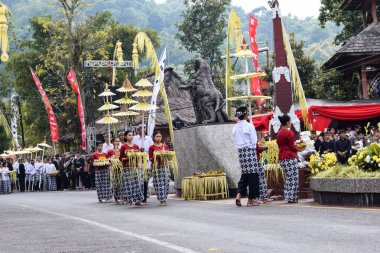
[208,102]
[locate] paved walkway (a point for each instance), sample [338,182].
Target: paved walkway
[74,222]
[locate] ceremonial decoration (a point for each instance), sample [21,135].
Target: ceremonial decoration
[74,84]
[270,160]
[52,119]
[255,81]
[205,187]
[4,14]
[167,159]
[158,83]
[285,80]
[125,101]
[137,161]
[117,176]
[118,53]
[43,145]
[143,106]
[142,43]
[107,107]
[14,120]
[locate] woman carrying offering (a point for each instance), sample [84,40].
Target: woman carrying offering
[288,159]
[161,173]
[132,171]
[117,173]
[102,174]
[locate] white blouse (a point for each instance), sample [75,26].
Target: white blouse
[244,135]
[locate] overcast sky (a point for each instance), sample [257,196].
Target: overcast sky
[296,7]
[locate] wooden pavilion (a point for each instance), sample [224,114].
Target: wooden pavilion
[360,57]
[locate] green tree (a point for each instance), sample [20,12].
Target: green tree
[351,22]
[305,65]
[203,31]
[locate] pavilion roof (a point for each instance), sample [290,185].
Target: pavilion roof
[365,44]
[353,5]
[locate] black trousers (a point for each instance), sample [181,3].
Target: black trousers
[145,190]
[21,180]
[252,181]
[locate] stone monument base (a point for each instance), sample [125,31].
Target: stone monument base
[207,147]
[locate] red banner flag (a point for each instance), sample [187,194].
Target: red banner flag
[255,81]
[49,109]
[74,84]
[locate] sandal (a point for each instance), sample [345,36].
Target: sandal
[238,202]
[252,203]
[267,200]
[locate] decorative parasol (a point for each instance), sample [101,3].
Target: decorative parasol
[143,106]
[246,53]
[127,86]
[125,101]
[107,120]
[43,145]
[107,107]
[125,114]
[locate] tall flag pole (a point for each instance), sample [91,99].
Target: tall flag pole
[74,84]
[49,109]
[159,80]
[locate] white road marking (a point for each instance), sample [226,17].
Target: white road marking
[112,229]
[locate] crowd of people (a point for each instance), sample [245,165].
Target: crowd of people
[344,142]
[78,171]
[134,188]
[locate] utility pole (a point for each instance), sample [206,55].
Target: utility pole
[21,124]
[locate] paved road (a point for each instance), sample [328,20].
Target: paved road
[74,222]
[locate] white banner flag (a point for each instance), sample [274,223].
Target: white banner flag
[156,89]
[14,110]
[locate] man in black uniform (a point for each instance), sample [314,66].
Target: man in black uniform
[79,170]
[343,147]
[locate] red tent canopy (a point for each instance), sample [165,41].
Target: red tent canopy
[321,116]
[261,122]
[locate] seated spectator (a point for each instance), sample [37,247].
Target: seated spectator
[343,147]
[178,123]
[327,145]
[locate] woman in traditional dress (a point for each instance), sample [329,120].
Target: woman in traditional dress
[102,175]
[132,174]
[161,174]
[118,190]
[288,159]
[245,139]
[5,180]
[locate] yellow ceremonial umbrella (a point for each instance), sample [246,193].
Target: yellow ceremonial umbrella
[107,120]
[43,145]
[108,106]
[143,106]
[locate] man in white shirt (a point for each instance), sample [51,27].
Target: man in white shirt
[245,139]
[28,177]
[107,145]
[138,140]
[16,166]
[144,145]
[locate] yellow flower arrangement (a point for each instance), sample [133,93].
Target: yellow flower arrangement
[367,159]
[323,162]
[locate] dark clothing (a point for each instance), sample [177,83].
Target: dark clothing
[178,123]
[79,171]
[327,147]
[21,177]
[317,145]
[343,145]
[252,181]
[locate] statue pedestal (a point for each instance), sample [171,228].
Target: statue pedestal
[207,147]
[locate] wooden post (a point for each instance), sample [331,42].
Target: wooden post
[374,12]
[364,81]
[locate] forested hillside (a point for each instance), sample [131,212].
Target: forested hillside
[163,17]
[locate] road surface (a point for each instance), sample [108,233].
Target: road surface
[75,222]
